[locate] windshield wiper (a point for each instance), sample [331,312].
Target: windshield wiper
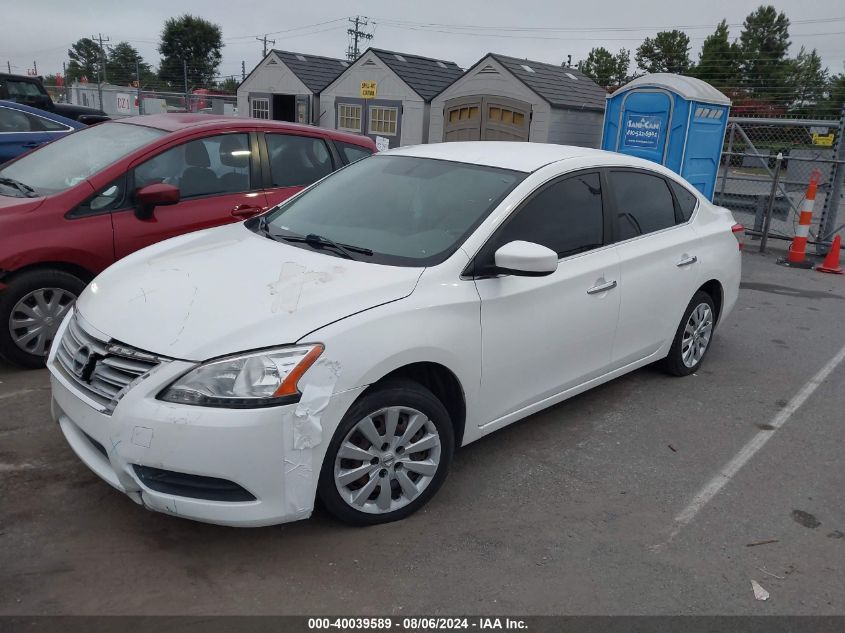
[26,190]
[312,239]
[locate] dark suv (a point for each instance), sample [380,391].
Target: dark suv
[30,91]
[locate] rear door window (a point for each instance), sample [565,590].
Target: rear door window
[297,161]
[644,204]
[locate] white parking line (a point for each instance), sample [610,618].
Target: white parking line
[724,476]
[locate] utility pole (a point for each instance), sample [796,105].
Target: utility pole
[243,70]
[9,66]
[185,75]
[356,34]
[65,82]
[264,40]
[35,67]
[138,77]
[102,55]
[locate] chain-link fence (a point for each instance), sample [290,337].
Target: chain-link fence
[121,101]
[768,163]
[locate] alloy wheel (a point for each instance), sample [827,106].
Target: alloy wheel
[697,332]
[387,460]
[36,318]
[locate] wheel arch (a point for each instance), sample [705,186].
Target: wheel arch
[73,269]
[438,379]
[714,288]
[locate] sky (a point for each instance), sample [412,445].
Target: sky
[41,31]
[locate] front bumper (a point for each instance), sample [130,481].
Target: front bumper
[254,448]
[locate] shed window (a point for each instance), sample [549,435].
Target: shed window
[467,113]
[259,108]
[383,120]
[505,115]
[348,117]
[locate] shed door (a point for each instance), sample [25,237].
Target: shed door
[303,108]
[462,119]
[644,121]
[505,120]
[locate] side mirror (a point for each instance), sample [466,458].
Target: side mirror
[152,196]
[526,259]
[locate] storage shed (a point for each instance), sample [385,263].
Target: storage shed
[673,120]
[505,98]
[286,86]
[387,96]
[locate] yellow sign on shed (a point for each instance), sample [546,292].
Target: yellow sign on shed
[823,139]
[369,90]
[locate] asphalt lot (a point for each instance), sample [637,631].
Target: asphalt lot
[571,511]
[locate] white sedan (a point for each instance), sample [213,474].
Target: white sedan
[343,344]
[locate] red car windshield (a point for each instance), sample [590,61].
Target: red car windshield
[69,160]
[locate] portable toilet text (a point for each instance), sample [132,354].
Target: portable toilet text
[670,119]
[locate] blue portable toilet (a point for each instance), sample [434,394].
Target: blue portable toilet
[670,119]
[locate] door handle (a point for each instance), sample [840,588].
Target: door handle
[608,285]
[686,261]
[32,144]
[246,210]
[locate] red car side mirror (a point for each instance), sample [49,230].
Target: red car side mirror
[151,196]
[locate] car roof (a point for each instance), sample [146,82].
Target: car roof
[519,156]
[177,122]
[52,116]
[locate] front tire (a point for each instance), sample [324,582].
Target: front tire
[693,337]
[389,455]
[31,310]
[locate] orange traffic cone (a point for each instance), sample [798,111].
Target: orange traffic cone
[798,248]
[831,262]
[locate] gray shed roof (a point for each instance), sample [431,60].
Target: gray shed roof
[314,71]
[425,76]
[559,85]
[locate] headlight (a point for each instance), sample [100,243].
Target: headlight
[259,379]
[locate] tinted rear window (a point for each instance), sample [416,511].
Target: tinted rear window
[643,204]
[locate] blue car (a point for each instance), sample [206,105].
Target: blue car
[23,128]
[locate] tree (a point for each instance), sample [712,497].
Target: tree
[667,52]
[85,58]
[192,41]
[718,63]
[808,80]
[763,44]
[228,85]
[123,63]
[606,69]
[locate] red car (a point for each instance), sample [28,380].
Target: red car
[73,207]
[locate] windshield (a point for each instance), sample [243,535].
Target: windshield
[408,211]
[71,159]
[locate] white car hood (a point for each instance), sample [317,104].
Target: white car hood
[228,290]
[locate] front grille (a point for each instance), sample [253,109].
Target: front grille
[194,486]
[102,370]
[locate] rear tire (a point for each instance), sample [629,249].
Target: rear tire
[31,310]
[693,337]
[388,468]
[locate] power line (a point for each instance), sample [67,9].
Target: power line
[577,29]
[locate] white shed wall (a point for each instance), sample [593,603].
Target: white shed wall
[273,78]
[576,127]
[388,86]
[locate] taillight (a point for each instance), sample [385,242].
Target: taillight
[739,233]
